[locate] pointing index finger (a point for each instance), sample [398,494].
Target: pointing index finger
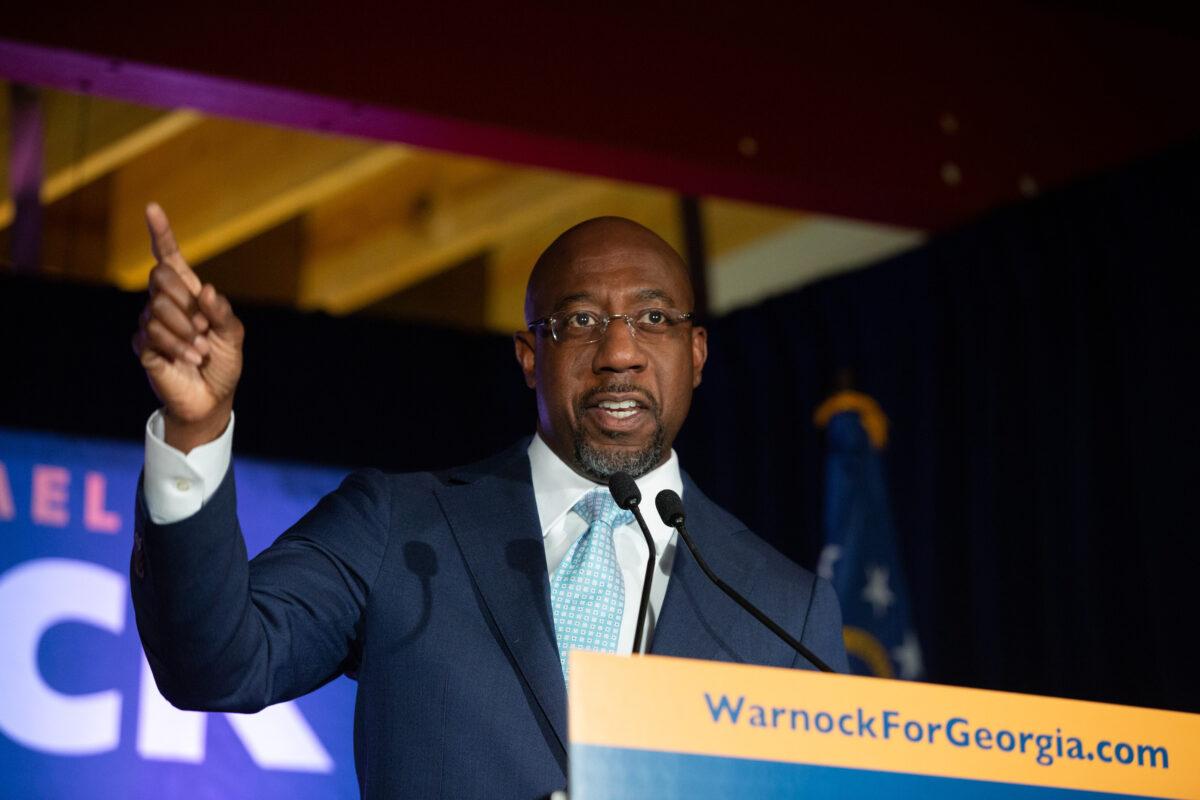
[165,248]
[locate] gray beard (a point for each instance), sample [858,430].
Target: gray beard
[600,464]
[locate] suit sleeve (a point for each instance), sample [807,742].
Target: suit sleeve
[224,634]
[823,628]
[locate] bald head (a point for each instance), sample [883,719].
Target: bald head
[601,237]
[615,401]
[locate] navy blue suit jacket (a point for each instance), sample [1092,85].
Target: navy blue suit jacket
[432,590]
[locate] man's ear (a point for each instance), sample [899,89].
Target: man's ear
[524,343]
[699,353]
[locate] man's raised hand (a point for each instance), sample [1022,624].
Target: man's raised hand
[189,342]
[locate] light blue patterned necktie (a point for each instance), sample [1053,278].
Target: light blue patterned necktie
[587,593]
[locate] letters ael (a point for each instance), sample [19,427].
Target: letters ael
[50,499]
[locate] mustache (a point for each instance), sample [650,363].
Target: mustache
[620,388]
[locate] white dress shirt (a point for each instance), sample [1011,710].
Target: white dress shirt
[176,486]
[557,488]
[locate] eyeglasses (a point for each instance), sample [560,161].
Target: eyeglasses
[586,327]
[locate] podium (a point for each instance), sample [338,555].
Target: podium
[654,727]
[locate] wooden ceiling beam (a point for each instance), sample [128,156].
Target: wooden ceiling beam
[117,153]
[371,220]
[450,228]
[110,140]
[405,194]
[225,182]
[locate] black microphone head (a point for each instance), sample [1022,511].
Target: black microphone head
[670,508]
[624,490]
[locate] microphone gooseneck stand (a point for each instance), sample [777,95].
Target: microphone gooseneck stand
[670,508]
[625,491]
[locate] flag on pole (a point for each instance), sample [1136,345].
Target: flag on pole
[861,558]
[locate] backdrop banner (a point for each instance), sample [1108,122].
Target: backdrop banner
[80,714]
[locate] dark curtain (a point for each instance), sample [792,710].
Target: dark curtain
[1037,367]
[1038,370]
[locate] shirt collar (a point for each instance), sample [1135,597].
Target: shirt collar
[557,488]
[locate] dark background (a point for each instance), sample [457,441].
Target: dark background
[1037,366]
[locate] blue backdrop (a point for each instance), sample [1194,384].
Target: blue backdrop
[80,716]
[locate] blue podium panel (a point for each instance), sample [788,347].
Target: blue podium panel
[610,773]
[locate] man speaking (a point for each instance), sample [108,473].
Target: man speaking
[454,597]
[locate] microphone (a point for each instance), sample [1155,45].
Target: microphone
[628,496]
[670,508]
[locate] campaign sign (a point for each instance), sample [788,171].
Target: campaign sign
[674,728]
[80,715]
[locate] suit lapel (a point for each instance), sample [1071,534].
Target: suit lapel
[493,516]
[697,619]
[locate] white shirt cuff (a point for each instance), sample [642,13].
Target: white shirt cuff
[175,485]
